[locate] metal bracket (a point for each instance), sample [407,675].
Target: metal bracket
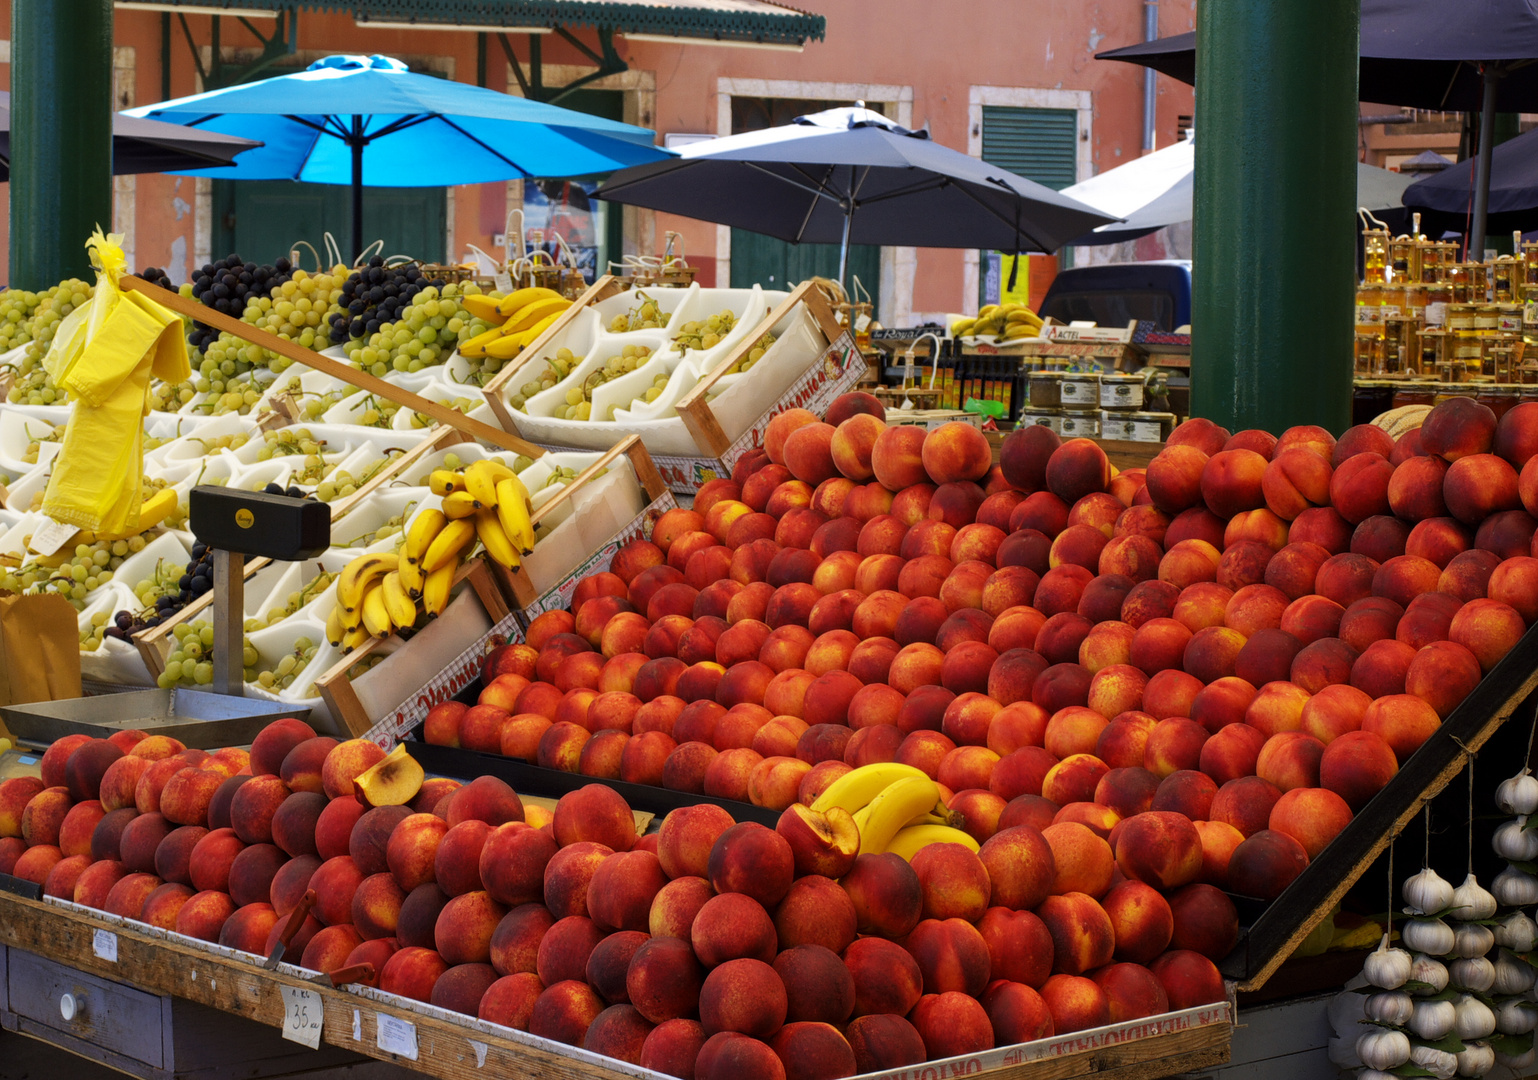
[283,42]
[533,84]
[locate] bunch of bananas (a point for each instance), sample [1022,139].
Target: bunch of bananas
[520,317]
[381,593]
[1002,322]
[896,808]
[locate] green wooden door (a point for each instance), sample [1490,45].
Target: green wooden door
[775,264]
[263,219]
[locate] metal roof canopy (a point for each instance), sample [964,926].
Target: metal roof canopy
[746,22]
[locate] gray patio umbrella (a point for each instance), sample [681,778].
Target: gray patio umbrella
[145,146]
[851,176]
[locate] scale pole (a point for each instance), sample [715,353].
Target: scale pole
[229,623]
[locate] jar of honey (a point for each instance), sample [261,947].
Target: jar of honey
[1369,308]
[1368,355]
[1460,318]
[1374,254]
[1498,398]
[1487,318]
[1414,392]
[1438,296]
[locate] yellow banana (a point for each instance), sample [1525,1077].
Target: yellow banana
[481,479]
[909,840]
[482,306]
[513,513]
[450,541]
[459,504]
[412,577]
[428,524]
[335,630]
[855,789]
[530,314]
[355,637]
[987,311]
[1017,330]
[376,616]
[510,345]
[962,327]
[1023,314]
[400,608]
[523,297]
[897,805]
[528,335]
[476,346]
[495,538]
[443,482]
[358,575]
[435,594]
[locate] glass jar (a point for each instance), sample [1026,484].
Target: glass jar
[1506,277]
[1369,308]
[1370,398]
[1498,398]
[1438,297]
[1404,259]
[1415,301]
[1393,303]
[1487,318]
[1369,354]
[1508,318]
[1414,392]
[1460,318]
[1434,352]
[1045,389]
[1399,346]
[1374,254]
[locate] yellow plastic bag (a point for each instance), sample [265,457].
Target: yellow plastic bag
[104,354]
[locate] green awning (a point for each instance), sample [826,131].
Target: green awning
[746,21]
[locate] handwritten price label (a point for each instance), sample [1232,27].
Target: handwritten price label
[303,1016]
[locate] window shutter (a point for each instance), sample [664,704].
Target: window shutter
[1038,144]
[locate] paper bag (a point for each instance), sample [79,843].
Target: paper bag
[39,649]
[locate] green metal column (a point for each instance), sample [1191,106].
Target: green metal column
[61,136]
[1274,241]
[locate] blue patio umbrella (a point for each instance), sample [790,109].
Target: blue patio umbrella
[369,122]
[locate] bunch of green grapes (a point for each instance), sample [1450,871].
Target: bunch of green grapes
[298,310]
[451,461]
[316,405]
[391,527]
[86,568]
[652,393]
[285,442]
[32,385]
[556,369]
[168,397]
[39,432]
[645,315]
[90,638]
[342,483]
[579,399]
[16,310]
[293,602]
[214,443]
[377,412]
[754,355]
[459,404]
[282,674]
[191,662]
[368,663]
[422,335]
[705,333]
[164,580]
[562,475]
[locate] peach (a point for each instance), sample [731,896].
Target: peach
[1231,481]
[1487,628]
[252,873]
[1175,743]
[565,949]
[745,996]
[1174,478]
[1334,711]
[1457,427]
[1132,992]
[1075,1002]
[1159,645]
[1189,979]
[1295,480]
[1109,645]
[1212,652]
[951,954]
[954,452]
[246,929]
[1442,674]
[1123,744]
[1020,866]
[1356,766]
[1440,539]
[289,884]
[897,457]
[1245,803]
[1083,860]
[106,838]
[1427,618]
[1159,848]
[345,762]
[1188,791]
[1324,662]
[1073,779]
[1293,571]
[1311,816]
[1021,772]
[1359,487]
[1219,839]
[1403,721]
[1231,753]
[1380,538]
[1478,485]
[1149,600]
[1290,760]
[1265,864]
[1222,702]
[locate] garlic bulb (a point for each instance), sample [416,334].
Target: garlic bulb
[1472,939]
[1472,901]
[1431,936]
[1391,1007]
[1518,1061]
[1429,970]
[1431,1020]
[1386,968]
[1472,973]
[1515,888]
[1511,841]
[1516,1017]
[1511,974]
[1438,1063]
[1384,1048]
[1427,892]
[1519,795]
[1345,1013]
[1376,1074]
[1517,932]
[1474,1018]
[1476,1059]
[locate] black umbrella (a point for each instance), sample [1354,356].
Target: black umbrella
[850,175]
[1458,55]
[145,146]
[1513,195]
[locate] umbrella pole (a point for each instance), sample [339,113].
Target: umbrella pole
[1476,248]
[357,186]
[843,251]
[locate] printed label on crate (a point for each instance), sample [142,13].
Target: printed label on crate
[1077,1043]
[835,371]
[559,595]
[465,669]
[1058,332]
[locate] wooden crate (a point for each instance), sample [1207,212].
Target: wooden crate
[601,289]
[529,598]
[425,681]
[452,1046]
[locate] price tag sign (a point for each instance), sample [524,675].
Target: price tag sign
[52,536]
[104,945]
[303,1015]
[396,1036]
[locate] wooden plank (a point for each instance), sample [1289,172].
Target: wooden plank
[346,372]
[169,964]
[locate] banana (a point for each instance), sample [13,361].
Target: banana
[1015,331]
[443,482]
[987,311]
[898,804]
[358,575]
[453,539]
[459,504]
[513,513]
[481,479]
[435,594]
[855,789]
[412,578]
[962,327]
[335,629]
[400,608]
[428,524]
[476,346]
[523,297]
[939,814]
[356,636]
[1023,314]
[495,538]
[376,616]
[910,839]
[530,314]
[509,346]
[482,307]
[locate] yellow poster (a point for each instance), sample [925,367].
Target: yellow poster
[1021,293]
